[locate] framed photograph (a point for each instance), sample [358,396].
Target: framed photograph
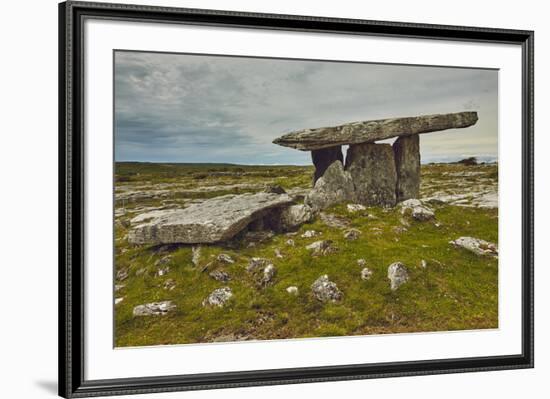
[253,199]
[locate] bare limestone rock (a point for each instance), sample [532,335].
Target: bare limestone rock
[334,187]
[224,258]
[372,170]
[374,130]
[477,246]
[406,150]
[322,248]
[366,274]
[196,255]
[334,221]
[218,297]
[323,158]
[154,309]
[220,275]
[398,275]
[214,220]
[292,290]
[352,208]
[352,234]
[417,209]
[325,290]
[293,216]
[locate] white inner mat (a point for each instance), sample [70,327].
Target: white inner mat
[103,361]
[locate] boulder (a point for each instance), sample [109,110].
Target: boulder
[374,130]
[417,209]
[218,297]
[398,275]
[334,187]
[372,170]
[214,220]
[325,290]
[323,158]
[154,309]
[477,246]
[406,151]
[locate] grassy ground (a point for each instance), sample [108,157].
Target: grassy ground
[457,290]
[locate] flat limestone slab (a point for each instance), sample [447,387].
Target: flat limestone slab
[214,220]
[370,131]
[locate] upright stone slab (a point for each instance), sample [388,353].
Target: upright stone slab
[406,150]
[372,169]
[323,158]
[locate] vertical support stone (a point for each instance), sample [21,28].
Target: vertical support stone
[323,158]
[406,150]
[372,168]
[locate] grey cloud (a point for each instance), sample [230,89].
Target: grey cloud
[188,108]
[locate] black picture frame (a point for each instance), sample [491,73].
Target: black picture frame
[71,200]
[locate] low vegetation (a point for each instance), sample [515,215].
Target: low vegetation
[448,289]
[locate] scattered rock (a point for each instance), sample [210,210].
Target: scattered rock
[366,274]
[322,248]
[352,234]
[290,242]
[372,170]
[334,221]
[118,287]
[118,300]
[218,297]
[268,274]
[352,208]
[154,309]
[310,234]
[398,275]
[476,245]
[214,220]
[325,290]
[169,284]
[293,290]
[257,263]
[278,253]
[220,275]
[361,262]
[334,187]
[162,271]
[417,210]
[122,274]
[224,258]
[196,255]
[423,264]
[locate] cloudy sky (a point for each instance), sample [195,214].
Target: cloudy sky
[194,108]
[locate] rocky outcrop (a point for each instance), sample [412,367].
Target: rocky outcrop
[334,187]
[373,130]
[372,171]
[323,158]
[406,151]
[214,220]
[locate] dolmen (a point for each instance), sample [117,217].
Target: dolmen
[374,174]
